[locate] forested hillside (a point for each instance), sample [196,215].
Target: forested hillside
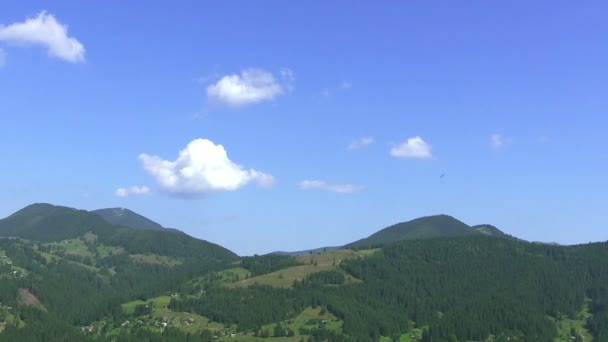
[69,275]
[425,228]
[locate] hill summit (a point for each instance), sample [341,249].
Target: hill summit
[128,218]
[427,227]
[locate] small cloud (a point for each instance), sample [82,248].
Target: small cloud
[2,58]
[497,141]
[46,31]
[201,167]
[132,190]
[412,148]
[321,185]
[360,143]
[251,86]
[345,85]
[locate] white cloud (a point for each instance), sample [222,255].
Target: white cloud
[359,143]
[132,190]
[321,185]
[201,167]
[2,58]
[344,86]
[412,148]
[46,31]
[497,141]
[251,86]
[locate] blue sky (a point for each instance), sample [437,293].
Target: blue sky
[280,125]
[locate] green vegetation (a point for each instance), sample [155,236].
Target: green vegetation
[574,328]
[307,265]
[72,276]
[426,228]
[127,218]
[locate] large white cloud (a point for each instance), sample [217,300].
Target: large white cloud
[201,167]
[251,86]
[414,147]
[46,31]
[321,185]
[132,190]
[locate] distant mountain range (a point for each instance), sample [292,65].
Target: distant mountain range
[45,222]
[114,275]
[309,251]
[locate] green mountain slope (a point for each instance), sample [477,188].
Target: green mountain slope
[46,222]
[127,218]
[420,228]
[490,230]
[103,282]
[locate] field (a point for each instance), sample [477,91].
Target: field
[161,314]
[155,259]
[565,325]
[72,246]
[308,319]
[312,263]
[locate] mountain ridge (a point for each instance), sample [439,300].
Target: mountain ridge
[426,227]
[128,218]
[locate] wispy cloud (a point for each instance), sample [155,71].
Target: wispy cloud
[2,58]
[344,86]
[497,141]
[46,31]
[249,87]
[201,167]
[360,143]
[132,190]
[321,185]
[414,147]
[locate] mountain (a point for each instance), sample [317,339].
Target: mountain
[47,223]
[490,230]
[425,228]
[127,218]
[73,276]
[308,251]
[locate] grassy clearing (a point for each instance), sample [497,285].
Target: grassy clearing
[155,259]
[160,313]
[312,263]
[90,237]
[565,325]
[309,318]
[4,259]
[105,251]
[233,275]
[72,246]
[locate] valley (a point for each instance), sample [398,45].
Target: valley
[71,273]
